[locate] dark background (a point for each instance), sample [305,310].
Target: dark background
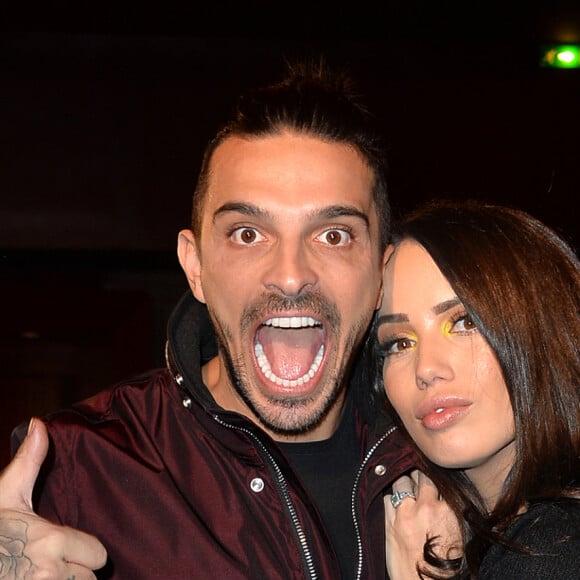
[105,110]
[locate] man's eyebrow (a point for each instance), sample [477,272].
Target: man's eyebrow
[335,211]
[328,212]
[248,209]
[437,309]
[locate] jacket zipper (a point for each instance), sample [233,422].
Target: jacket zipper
[283,489]
[281,481]
[354,500]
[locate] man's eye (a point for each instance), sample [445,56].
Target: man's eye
[335,237]
[246,236]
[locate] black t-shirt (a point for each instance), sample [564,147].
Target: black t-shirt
[328,469]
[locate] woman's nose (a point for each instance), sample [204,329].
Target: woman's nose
[433,365]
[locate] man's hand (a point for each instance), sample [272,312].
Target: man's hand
[30,546]
[419,514]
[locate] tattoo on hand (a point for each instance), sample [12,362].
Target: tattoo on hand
[14,564]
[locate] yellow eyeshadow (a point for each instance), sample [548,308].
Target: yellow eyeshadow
[447,326]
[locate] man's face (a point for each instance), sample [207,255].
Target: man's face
[289,265]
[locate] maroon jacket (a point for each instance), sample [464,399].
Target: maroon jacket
[176,487]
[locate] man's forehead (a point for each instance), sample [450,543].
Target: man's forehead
[290,168]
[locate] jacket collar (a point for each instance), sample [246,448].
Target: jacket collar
[190,344]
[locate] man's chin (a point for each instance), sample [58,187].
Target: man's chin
[291,421]
[293,414]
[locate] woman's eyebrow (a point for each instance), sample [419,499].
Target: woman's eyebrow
[391,318]
[437,309]
[446,305]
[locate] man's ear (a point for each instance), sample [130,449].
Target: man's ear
[188,255]
[387,254]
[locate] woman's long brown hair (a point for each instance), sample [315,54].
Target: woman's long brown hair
[520,282]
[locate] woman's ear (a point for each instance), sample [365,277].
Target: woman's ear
[188,255]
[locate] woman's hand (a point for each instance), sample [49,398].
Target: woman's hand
[414,513]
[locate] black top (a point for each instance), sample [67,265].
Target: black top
[321,466]
[552,531]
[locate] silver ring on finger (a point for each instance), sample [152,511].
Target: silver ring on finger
[399,496]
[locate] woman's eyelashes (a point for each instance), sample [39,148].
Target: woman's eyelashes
[393,345]
[462,323]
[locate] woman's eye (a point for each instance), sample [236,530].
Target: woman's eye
[246,236]
[335,237]
[464,324]
[397,346]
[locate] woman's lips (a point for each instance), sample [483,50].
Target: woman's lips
[441,412]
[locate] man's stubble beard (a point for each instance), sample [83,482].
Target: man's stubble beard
[282,415]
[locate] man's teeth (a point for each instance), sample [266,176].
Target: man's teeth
[288,322]
[439,410]
[292,322]
[267,371]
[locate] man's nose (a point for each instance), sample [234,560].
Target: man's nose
[291,269]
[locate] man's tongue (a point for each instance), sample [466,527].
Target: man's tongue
[290,352]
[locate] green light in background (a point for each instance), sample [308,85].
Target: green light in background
[561,56]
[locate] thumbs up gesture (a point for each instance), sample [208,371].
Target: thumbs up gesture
[30,546]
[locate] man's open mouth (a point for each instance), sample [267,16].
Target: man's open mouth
[289,349]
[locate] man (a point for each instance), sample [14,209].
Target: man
[258,459]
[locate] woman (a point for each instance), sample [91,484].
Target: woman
[479,339]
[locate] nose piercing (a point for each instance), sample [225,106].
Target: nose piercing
[423,383]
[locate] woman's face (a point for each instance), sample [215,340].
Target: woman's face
[440,374]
